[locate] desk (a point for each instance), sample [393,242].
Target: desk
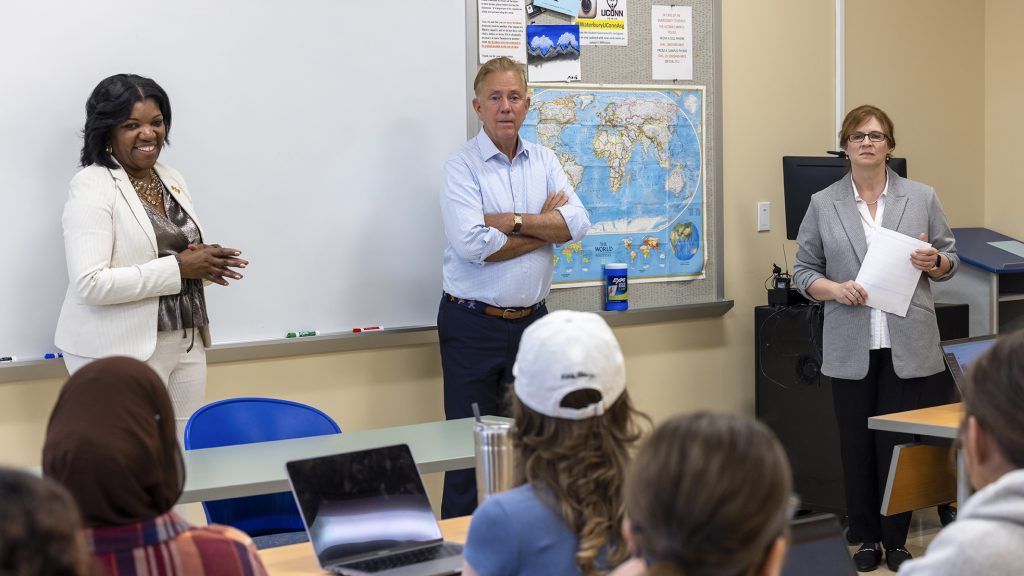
[299,559]
[937,421]
[259,468]
[990,281]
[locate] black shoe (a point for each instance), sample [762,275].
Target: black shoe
[947,514]
[868,557]
[896,556]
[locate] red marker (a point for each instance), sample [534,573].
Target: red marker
[371,328]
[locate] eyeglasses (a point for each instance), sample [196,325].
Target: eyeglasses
[873,136]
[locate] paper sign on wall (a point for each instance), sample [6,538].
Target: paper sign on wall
[604,23]
[501,29]
[672,42]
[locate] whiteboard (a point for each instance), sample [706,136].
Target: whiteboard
[312,135]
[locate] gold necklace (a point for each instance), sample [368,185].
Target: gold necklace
[151,190]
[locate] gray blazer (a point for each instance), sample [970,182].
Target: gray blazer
[831,244]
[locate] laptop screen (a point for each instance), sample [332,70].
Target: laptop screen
[361,504]
[960,353]
[817,546]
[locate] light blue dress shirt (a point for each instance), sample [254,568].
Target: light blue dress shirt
[478,180]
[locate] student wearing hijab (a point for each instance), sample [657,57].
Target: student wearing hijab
[111,442]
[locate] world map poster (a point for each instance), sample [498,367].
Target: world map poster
[635,156]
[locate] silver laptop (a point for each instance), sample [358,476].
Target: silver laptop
[817,546]
[367,513]
[960,353]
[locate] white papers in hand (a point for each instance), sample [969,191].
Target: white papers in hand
[887,273]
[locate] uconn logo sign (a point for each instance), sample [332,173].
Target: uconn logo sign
[611,11]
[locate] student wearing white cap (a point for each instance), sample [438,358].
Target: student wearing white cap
[574,427]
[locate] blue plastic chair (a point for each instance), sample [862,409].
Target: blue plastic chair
[243,421]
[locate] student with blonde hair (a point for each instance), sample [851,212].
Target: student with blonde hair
[708,494]
[574,426]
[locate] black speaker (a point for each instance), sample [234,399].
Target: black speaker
[795,401]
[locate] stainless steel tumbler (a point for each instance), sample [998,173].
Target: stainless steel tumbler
[495,458]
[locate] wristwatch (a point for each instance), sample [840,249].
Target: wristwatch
[938,262]
[517,220]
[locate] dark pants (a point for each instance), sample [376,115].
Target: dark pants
[477,354]
[866,454]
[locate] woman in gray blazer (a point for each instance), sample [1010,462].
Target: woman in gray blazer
[878,361]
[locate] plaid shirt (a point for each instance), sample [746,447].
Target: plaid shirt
[169,546]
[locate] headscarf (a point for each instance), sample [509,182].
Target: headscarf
[111,442]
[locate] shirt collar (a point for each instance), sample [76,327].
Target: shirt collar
[885,190]
[488,150]
[112,539]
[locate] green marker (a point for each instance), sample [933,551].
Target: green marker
[302,334]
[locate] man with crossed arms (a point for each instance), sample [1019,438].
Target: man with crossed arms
[505,202]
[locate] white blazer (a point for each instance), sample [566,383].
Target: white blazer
[115,279]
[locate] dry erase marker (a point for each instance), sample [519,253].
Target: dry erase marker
[51,355]
[302,334]
[8,358]
[371,328]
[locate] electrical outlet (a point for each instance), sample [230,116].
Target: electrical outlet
[764,216]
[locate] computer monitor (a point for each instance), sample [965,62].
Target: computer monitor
[805,175]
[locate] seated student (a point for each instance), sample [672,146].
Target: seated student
[40,528]
[574,426]
[988,535]
[708,494]
[111,442]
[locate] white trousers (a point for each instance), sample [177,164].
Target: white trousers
[184,373]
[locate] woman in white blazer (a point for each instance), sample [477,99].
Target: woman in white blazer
[134,247]
[878,361]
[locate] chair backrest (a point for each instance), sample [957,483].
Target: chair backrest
[244,421]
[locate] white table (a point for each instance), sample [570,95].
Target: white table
[259,468]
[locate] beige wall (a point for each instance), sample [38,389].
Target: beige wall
[1004,120]
[672,366]
[922,61]
[778,100]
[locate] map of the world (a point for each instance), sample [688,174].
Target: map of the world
[635,158]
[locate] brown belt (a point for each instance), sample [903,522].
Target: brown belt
[503,313]
[508,313]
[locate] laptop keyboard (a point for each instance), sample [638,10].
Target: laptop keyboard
[404,558]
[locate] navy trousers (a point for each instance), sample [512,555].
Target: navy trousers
[477,354]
